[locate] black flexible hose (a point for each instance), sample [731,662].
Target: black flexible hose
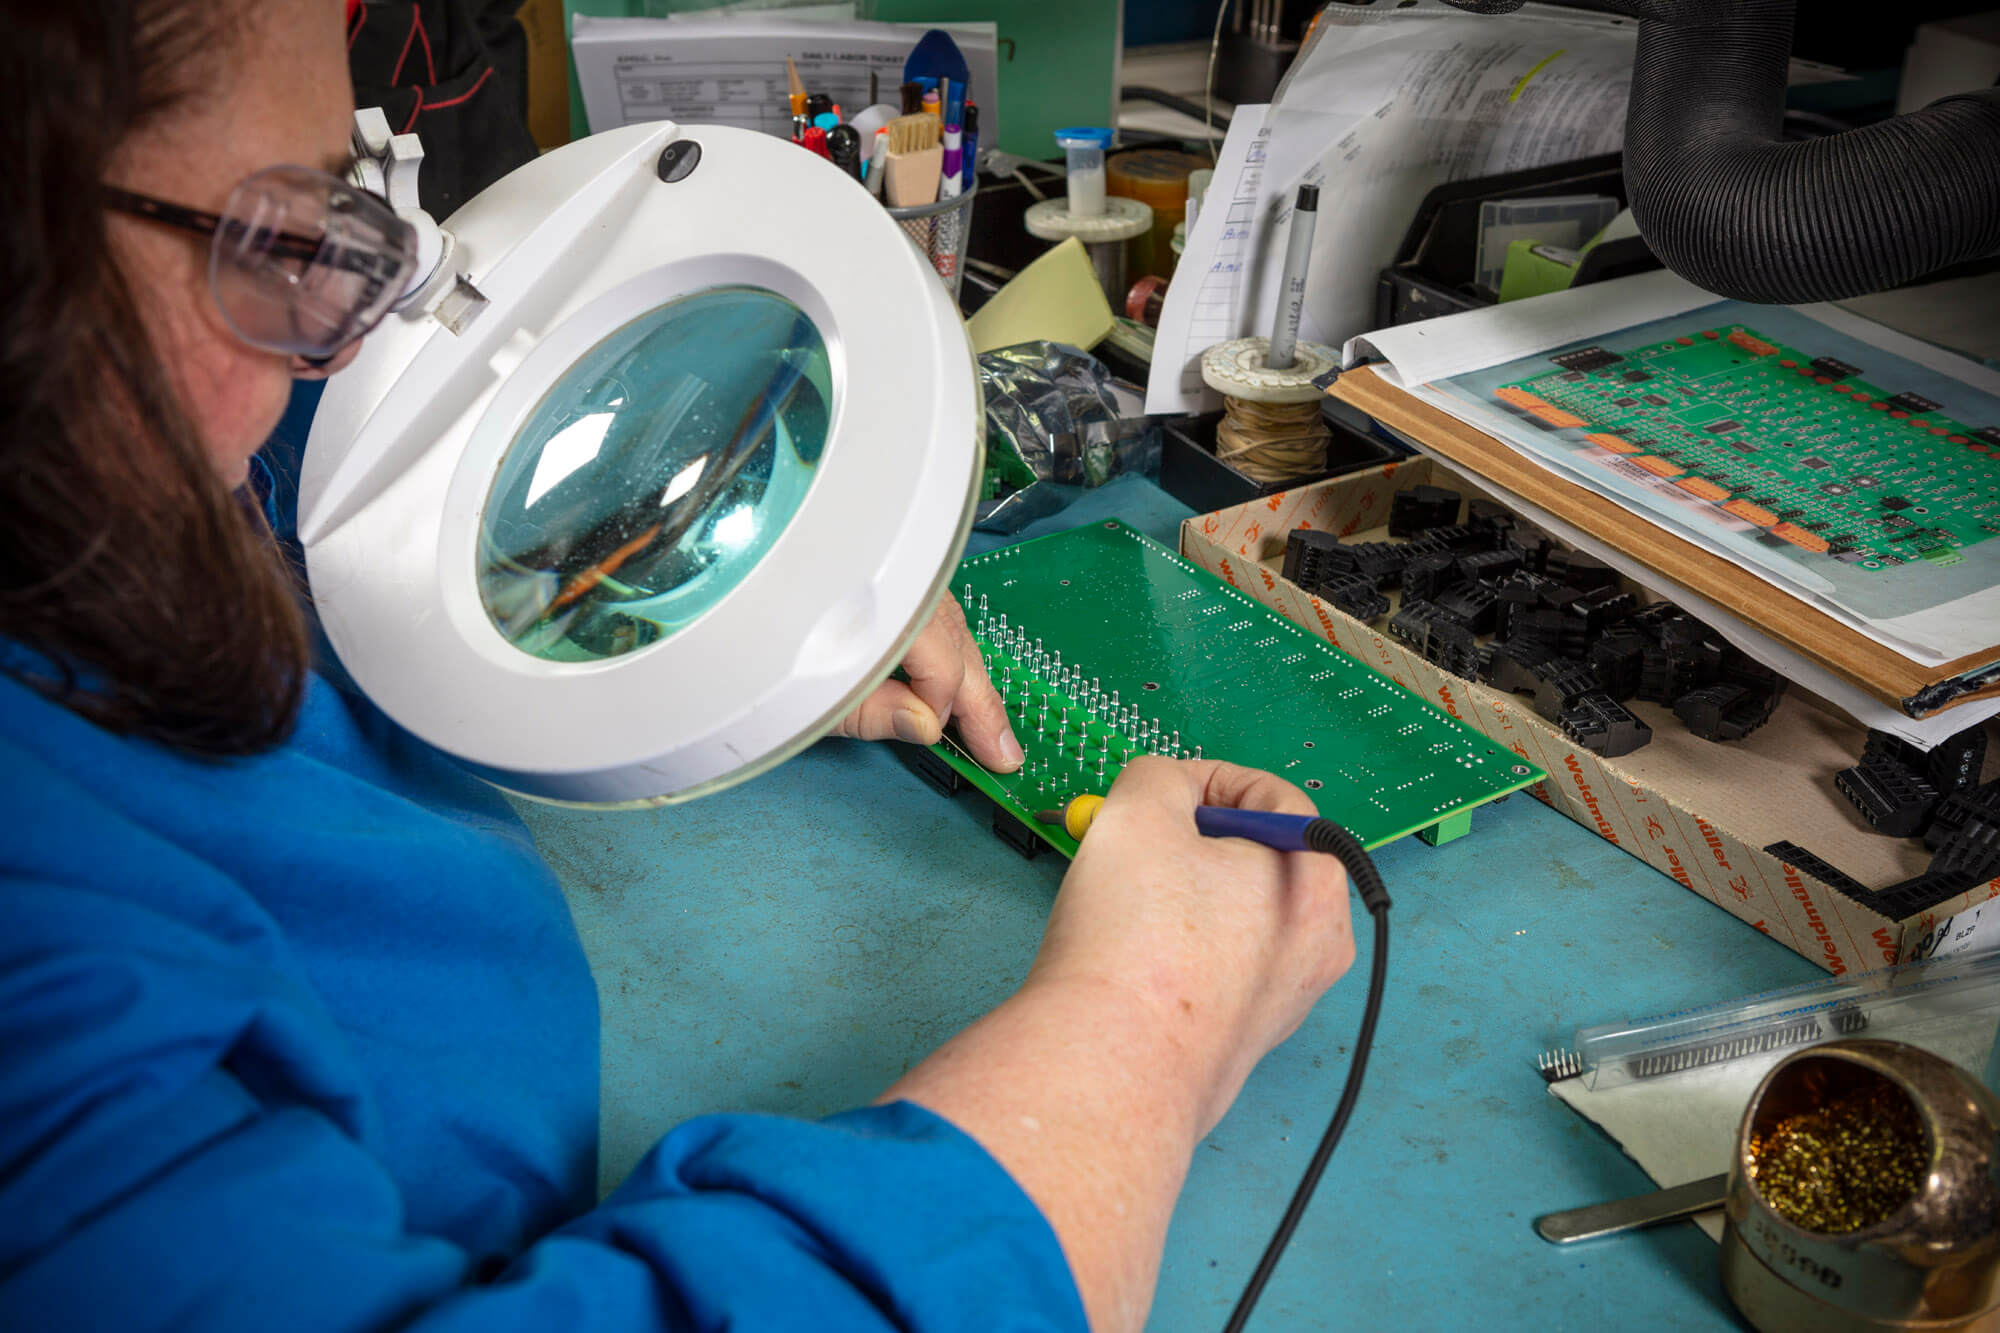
[1730,206]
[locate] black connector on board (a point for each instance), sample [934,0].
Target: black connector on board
[1421,508]
[1834,368]
[1587,359]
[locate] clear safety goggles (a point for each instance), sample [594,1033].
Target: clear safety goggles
[299,261]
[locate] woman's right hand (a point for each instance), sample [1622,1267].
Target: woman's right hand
[1225,943]
[1171,963]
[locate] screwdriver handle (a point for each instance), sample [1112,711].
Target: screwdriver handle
[1280,832]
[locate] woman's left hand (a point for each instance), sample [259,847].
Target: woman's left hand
[947,681]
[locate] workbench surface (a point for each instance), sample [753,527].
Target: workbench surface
[795,944]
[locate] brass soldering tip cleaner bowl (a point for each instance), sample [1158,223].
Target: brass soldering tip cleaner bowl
[1930,1262]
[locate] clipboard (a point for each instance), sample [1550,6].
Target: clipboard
[1879,670]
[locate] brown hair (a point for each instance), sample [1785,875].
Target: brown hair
[152,600]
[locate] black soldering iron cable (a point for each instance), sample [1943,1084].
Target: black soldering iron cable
[1323,835]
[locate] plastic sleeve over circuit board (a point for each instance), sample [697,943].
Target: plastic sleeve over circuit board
[1106,646]
[1799,448]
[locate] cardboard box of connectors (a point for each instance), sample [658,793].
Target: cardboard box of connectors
[1606,685]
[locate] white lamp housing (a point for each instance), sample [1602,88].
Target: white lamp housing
[665,641]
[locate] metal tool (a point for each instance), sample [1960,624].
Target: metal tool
[1641,1210]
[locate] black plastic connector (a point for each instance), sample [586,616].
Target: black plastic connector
[1453,647]
[1724,712]
[1896,800]
[942,777]
[1664,677]
[1972,851]
[1472,603]
[1489,566]
[1953,764]
[1425,576]
[1578,570]
[1381,563]
[1603,726]
[1798,858]
[1962,809]
[1356,595]
[1459,539]
[1616,657]
[1421,508]
[1312,556]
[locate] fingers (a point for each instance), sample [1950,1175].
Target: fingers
[1187,783]
[947,681]
[1254,789]
[892,712]
[948,675]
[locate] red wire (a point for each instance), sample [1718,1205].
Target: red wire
[398,74]
[486,74]
[415,111]
[361,20]
[430,65]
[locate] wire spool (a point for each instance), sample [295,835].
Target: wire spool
[1271,431]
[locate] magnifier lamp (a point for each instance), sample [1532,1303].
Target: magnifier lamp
[656,474]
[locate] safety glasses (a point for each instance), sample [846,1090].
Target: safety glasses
[300,261]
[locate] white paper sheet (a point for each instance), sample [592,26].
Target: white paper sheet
[1204,302]
[705,70]
[1382,106]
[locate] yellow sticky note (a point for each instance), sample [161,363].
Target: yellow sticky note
[1055,298]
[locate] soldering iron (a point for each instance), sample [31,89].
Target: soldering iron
[1287,833]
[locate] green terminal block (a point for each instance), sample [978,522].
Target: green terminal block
[1445,830]
[1106,645]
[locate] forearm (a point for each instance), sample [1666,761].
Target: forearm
[1094,1105]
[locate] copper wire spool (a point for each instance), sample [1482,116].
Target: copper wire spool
[1272,443]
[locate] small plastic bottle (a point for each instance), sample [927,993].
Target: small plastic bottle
[1085,147]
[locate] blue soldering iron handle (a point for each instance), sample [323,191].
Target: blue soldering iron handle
[1284,833]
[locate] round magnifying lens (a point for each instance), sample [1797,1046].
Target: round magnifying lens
[654,475]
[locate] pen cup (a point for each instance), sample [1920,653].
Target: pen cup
[939,232]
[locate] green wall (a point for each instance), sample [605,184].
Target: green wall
[1060,71]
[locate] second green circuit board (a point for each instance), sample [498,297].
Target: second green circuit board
[1802,447]
[1107,645]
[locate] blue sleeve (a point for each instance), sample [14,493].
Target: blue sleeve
[176,1150]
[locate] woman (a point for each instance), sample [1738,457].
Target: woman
[294,1028]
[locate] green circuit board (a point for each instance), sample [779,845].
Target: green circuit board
[1798,446]
[1107,645]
